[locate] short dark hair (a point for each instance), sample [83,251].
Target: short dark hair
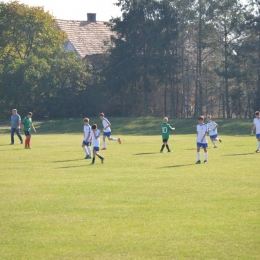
[257,113]
[201,118]
[93,127]
[85,120]
[101,114]
[30,113]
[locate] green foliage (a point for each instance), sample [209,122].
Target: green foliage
[36,74]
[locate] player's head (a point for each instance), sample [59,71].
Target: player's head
[86,121]
[14,111]
[101,115]
[94,127]
[165,120]
[29,114]
[257,113]
[201,119]
[209,117]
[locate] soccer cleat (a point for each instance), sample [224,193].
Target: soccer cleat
[88,157]
[102,160]
[170,151]
[215,146]
[119,140]
[92,163]
[220,140]
[257,151]
[161,151]
[198,162]
[104,148]
[205,161]
[11,143]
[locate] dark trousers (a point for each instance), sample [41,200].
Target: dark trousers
[17,131]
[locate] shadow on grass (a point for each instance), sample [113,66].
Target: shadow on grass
[178,165]
[135,126]
[144,153]
[68,161]
[72,166]
[237,154]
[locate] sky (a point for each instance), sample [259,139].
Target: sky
[76,9]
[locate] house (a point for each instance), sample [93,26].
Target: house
[86,38]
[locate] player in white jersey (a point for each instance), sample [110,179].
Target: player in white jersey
[256,125]
[86,143]
[107,131]
[95,133]
[213,132]
[202,141]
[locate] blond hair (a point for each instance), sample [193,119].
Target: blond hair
[165,120]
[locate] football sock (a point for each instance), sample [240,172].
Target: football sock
[85,149]
[167,146]
[29,140]
[162,147]
[258,145]
[206,156]
[198,155]
[26,142]
[104,144]
[217,139]
[89,151]
[213,142]
[115,139]
[93,160]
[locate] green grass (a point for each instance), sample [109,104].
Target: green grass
[139,204]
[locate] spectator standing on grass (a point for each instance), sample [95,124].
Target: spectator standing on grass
[256,125]
[165,134]
[96,143]
[86,143]
[213,132]
[107,131]
[202,141]
[27,126]
[15,126]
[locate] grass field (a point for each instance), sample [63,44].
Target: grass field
[139,204]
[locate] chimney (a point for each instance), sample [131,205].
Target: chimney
[91,17]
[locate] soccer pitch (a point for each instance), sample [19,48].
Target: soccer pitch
[139,204]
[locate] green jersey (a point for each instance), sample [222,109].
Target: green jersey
[27,122]
[165,130]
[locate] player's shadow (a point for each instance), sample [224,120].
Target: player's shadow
[72,166]
[144,153]
[178,165]
[68,161]
[237,154]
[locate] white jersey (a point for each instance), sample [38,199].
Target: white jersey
[87,130]
[95,138]
[202,130]
[105,123]
[212,125]
[257,125]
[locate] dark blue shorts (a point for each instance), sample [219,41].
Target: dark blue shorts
[95,148]
[107,134]
[86,143]
[202,145]
[213,136]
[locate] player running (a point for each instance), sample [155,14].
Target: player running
[213,132]
[256,125]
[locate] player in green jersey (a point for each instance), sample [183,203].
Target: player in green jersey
[27,125]
[165,134]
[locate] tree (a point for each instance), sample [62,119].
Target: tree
[36,74]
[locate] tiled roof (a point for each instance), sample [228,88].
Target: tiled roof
[86,37]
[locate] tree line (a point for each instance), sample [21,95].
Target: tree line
[177,58]
[186,58]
